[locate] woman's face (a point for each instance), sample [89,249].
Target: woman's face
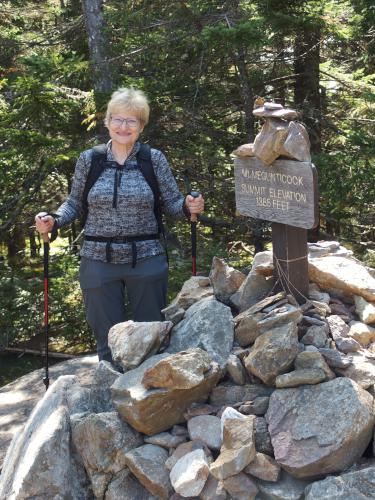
[124,127]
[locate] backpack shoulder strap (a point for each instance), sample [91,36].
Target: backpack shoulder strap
[98,159]
[147,169]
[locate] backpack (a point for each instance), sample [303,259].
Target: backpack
[144,162]
[98,164]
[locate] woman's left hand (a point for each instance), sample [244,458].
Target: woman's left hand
[194,205]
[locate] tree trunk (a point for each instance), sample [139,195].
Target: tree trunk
[306,87]
[247,94]
[33,245]
[15,243]
[98,47]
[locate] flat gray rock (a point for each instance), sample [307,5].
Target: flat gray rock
[361,370]
[165,439]
[273,353]
[249,325]
[287,488]
[104,376]
[124,486]
[358,485]
[311,359]
[240,487]
[310,376]
[213,490]
[206,428]
[230,394]
[147,464]
[236,370]
[225,279]
[253,289]
[315,336]
[336,359]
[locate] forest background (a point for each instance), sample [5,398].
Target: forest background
[201,63]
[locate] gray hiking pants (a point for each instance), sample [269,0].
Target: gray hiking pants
[103,285]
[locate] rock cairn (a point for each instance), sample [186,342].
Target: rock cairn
[280,135]
[241,393]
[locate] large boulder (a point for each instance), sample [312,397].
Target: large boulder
[157,409]
[102,440]
[40,462]
[208,324]
[356,485]
[342,275]
[19,398]
[320,429]
[225,280]
[182,370]
[131,342]
[273,353]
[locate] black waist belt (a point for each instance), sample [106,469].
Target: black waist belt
[122,239]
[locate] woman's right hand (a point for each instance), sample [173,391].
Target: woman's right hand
[44,222]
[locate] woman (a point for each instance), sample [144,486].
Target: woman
[121,248]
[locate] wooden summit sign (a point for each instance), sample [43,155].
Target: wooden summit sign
[284,192]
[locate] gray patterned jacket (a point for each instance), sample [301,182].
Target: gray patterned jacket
[134,213]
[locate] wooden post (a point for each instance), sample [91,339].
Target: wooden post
[290,260]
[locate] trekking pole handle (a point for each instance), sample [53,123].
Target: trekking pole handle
[45,237]
[194,194]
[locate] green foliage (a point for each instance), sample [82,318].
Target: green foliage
[22,303]
[201,63]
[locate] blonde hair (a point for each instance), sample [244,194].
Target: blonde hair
[129,99]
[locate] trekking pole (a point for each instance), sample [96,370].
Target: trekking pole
[46,323]
[193,225]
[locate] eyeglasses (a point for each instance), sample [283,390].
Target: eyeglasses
[129,122]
